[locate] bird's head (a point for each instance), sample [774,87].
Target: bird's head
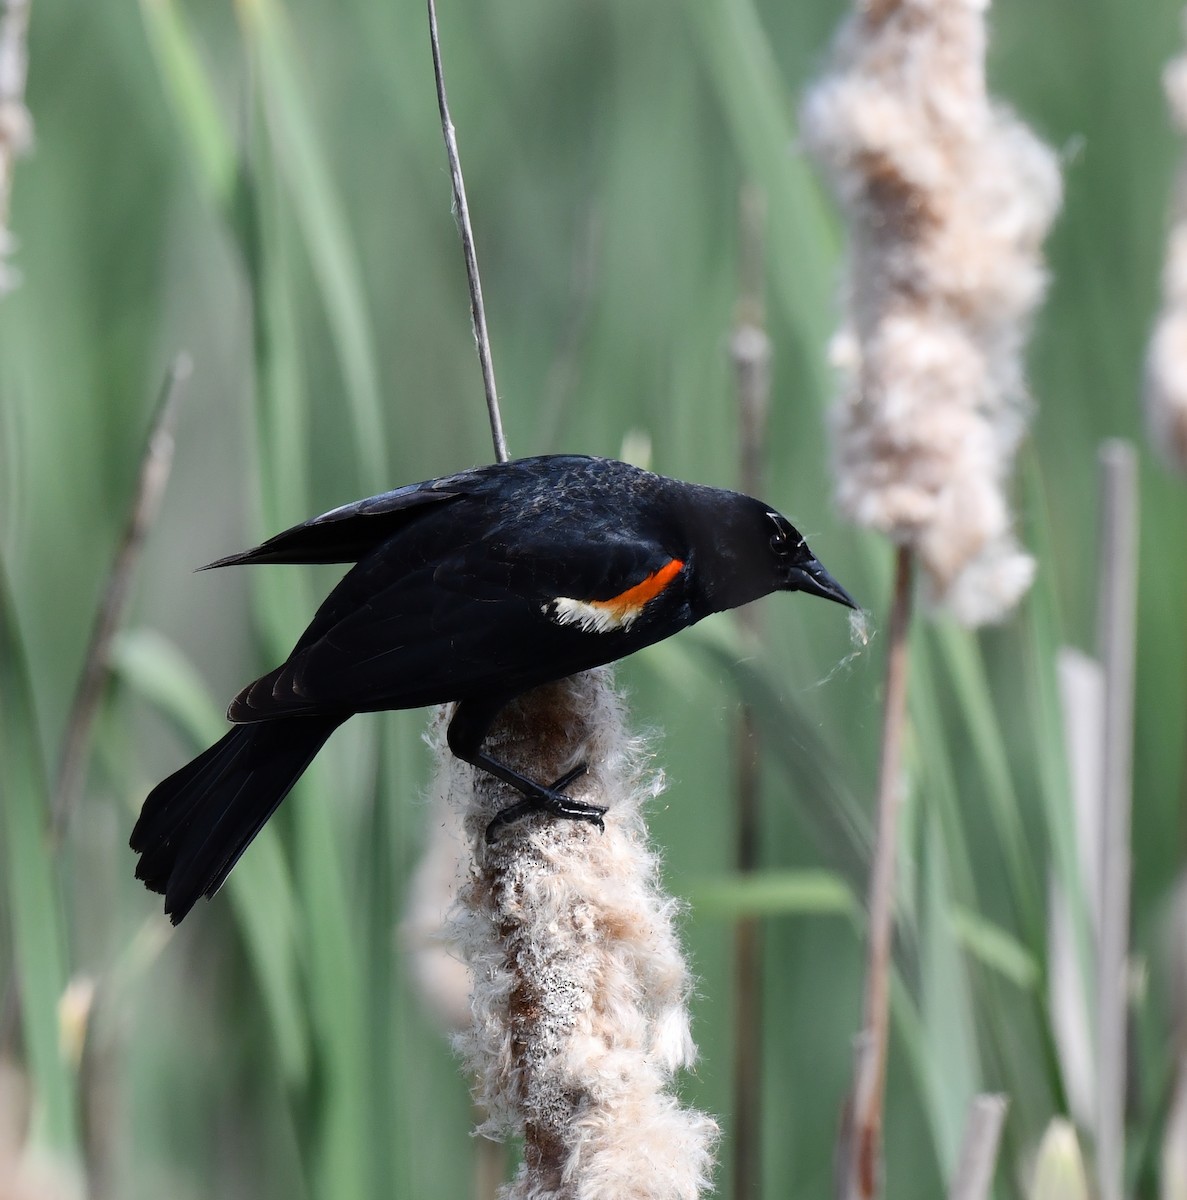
[759,552]
[796,567]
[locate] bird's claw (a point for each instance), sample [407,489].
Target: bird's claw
[552,800]
[559,785]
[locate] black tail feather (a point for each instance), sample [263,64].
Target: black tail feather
[196,824]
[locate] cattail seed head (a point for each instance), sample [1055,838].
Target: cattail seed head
[580,986]
[436,966]
[1166,357]
[948,198]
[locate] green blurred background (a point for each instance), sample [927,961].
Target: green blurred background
[264,186]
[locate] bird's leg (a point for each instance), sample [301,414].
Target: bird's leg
[469,726]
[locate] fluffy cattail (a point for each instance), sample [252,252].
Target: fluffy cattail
[948,198]
[440,975]
[25,1174]
[16,125]
[580,987]
[1166,359]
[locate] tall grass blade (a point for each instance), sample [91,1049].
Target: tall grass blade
[311,192]
[1044,640]
[261,891]
[39,930]
[946,1007]
[775,893]
[345,1152]
[965,665]
[186,80]
[802,235]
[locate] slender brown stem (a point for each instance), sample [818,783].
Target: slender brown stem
[750,352]
[490,1163]
[1116,632]
[861,1165]
[150,487]
[477,309]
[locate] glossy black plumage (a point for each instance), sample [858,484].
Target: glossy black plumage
[471,588]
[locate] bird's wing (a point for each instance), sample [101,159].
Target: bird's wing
[348,533]
[485,618]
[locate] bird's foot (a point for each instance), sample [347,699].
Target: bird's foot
[551,800]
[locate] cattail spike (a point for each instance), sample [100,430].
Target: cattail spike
[580,986]
[948,197]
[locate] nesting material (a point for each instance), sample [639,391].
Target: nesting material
[948,197]
[1166,359]
[580,987]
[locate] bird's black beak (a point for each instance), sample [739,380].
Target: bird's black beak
[811,577]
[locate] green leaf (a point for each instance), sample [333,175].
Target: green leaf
[995,948]
[323,225]
[962,656]
[774,893]
[39,929]
[804,239]
[193,98]
[946,1008]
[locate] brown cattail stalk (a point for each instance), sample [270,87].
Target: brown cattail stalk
[580,988]
[750,353]
[948,198]
[155,466]
[860,1164]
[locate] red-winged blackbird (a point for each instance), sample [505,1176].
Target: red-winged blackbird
[473,588]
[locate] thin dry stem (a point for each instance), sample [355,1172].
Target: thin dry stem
[978,1152]
[1070,946]
[861,1166]
[750,351]
[155,465]
[1116,640]
[477,308]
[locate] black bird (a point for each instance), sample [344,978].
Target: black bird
[473,588]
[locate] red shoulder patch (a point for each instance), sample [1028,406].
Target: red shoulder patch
[618,612]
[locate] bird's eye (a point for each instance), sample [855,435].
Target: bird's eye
[780,542]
